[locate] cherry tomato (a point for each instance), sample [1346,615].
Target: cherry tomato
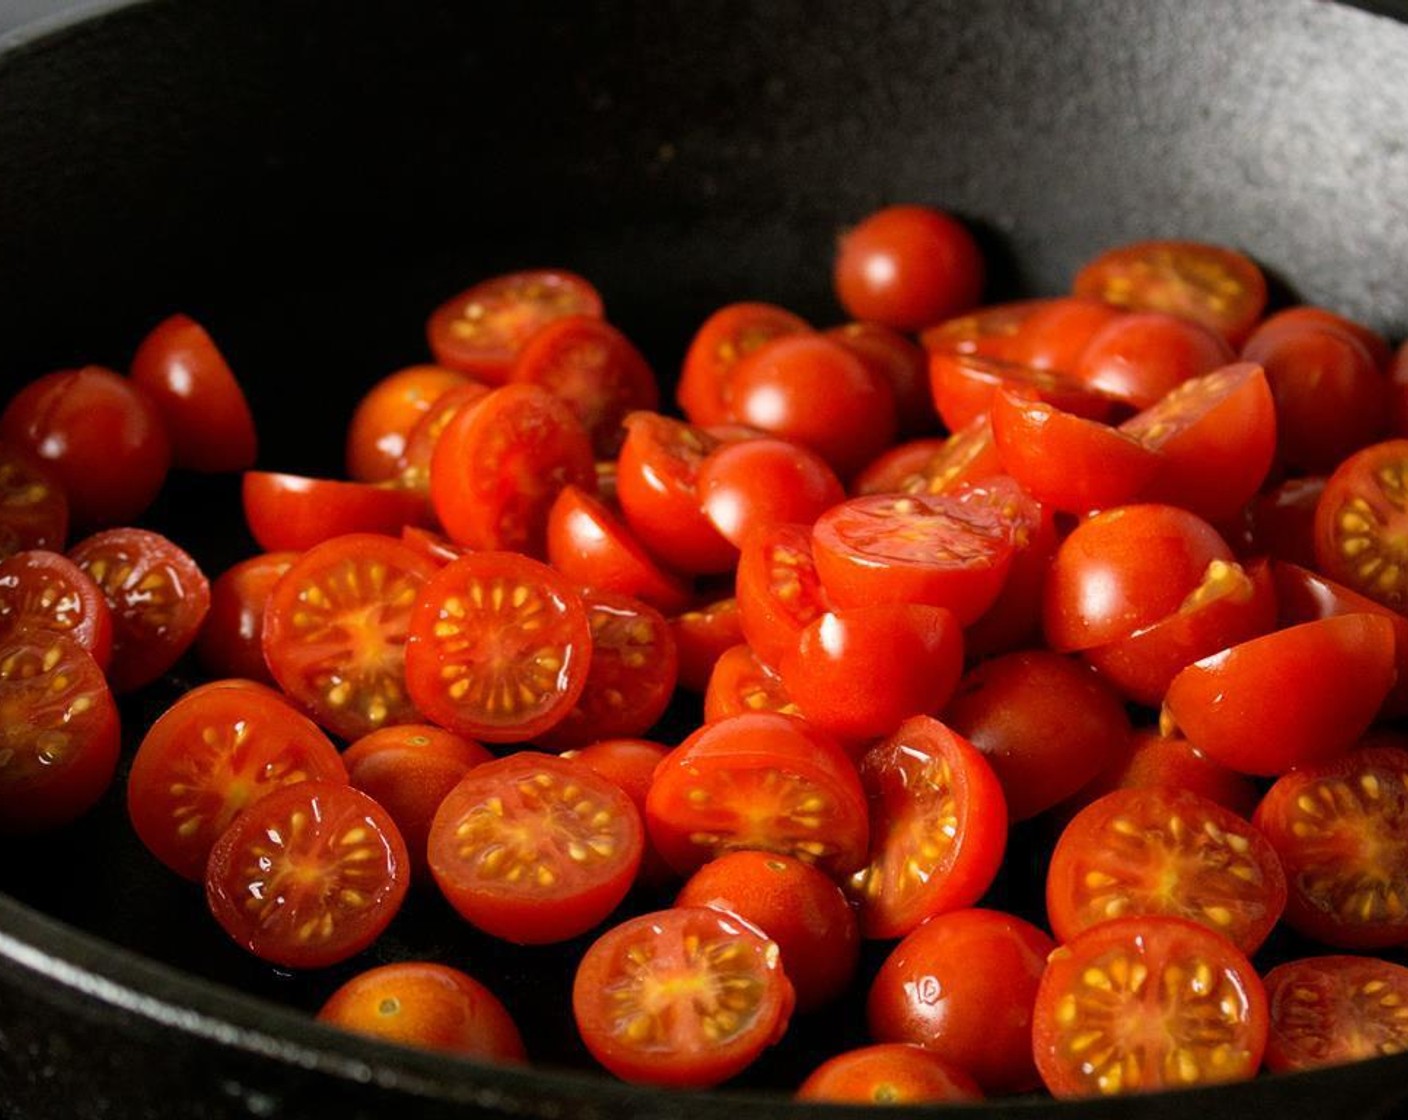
[432,545]
[231,640]
[428,1006]
[742,682]
[1216,286]
[984,330]
[409,770]
[760,483]
[1360,522]
[796,906]
[1280,522]
[684,998]
[199,400]
[1328,1010]
[1056,334]
[1308,691]
[938,827]
[42,590]
[1341,830]
[499,647]
[964,386]
[33,508]
[534,848]
[100,437]
[900,362]
[760,781]
[630,764]
[387,414]
[1140,1004]
[1169,761]
[888,1074]
[309,876]
[1140,357]
[1398,392]
[59,735]
[779,591]
[1046,723]
[1013,621]
[728,335]
[290,513]
[908,267]
[963,986]
[702,634]
[413,465]
[481,330]
[210,756]
[933,466]
[158,597]
[500,464]
[1295,317]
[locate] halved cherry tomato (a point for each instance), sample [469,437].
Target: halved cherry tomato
[1303,315]
[1013,621]
[1280,522]
[1341,830]
[964,386]
[938,828]
[499,647]
[290,513]
[630,764]
[743,682]
[231,640]
[481,330]
[1140,1004]
[963,985]
[763,781]
[728,335]
[158,597]
[1328,1010]
[1056,334]
[1360,524]
[1309,691]
[754,485]
[58,732]
[900,362]
[778,590]
[309,876]
[201,403]
[428,1006]
[933,466]
[984,330]
[534,848]
[701,637]
[1139,852]
[335,630]
[1140,357]
[42,590]
[33,508]
[432,545]
[210,756]
[888,1073]
[387,414]
[413,464]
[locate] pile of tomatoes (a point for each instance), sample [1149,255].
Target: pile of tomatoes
[1129,563]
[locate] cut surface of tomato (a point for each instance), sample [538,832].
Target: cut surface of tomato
[1361,524]
[702,635]
[743,682]
[41,590]
[33,508]
[387,414]
[728,335]
[778,590]
[1333,1009]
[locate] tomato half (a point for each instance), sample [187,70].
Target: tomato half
[1056,334]
[751,486]
[387,414]
[1361,524]
[889,1073]
[33,508]
[1328,1010]
[413,464]
[630,764]
[42,590]
[702,635]
[1140,357]
[728,335]
[290,512]
[965,385]
[778,590]
[899,361]
[743,682]
[1170,761]
[933,466]
[231,640]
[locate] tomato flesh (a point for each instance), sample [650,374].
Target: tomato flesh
[1328,1010]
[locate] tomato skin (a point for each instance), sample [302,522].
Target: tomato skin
[33,507]
[908,267]
[778,591]
[324,858]
[963,985]
[231,640]
[100,437]
[985,330]
[752,486]
[1398,392]
[1169,761]
[727,336]
[387,414]
[702,635]
[1056,334]
[1303,315]
[60,737]
[1309,690]
[684,951]
[413,465]
[215,752]
[630,764]
[41,590]
[1358,524]
[965,385]
[428,1006]
[1332,1009]
[1123,974]
[796,906]
[1141,356]
[521,814]
[292,513]
[888,1074]
[900,362]
[1280,522]
[743,682]
[200,402]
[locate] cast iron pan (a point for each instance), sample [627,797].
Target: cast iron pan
[308,179]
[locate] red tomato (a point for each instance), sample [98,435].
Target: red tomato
[309,876]
[728,335]
[933,466]
[762,781]
[158,597]
[1296,317]
[888,1074]
[684,998]
[592,368]
[430,544]
[796,906]
[1141,1004]
[59,738]
[1171,762]
[1046,723]
[748,487]
[1398,393]
[1212,285]
[413,464]
[1280,522]
[231,640]
[859,672]
[701,637]
[200,402]
[1328,1010]
[779,591]
[210,756]
[290,513]
[1169,852]
[899,361]
[1308,692]
[1216,436]
[409,770]
[100,438]
[1361,519]
[1140,357]
[742,682]
[964,386]
[938,827]
[387,414]
[481,330]
[534,848]
[985,330]
[1056,334]
[810,390]
[42,590]
[499,647]
[428,1006]
[592,546]
[33,508]
[630,764]
[335,628]
[903,469]
[1014,620]
[1341,830]
[908,267]
[963,986]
